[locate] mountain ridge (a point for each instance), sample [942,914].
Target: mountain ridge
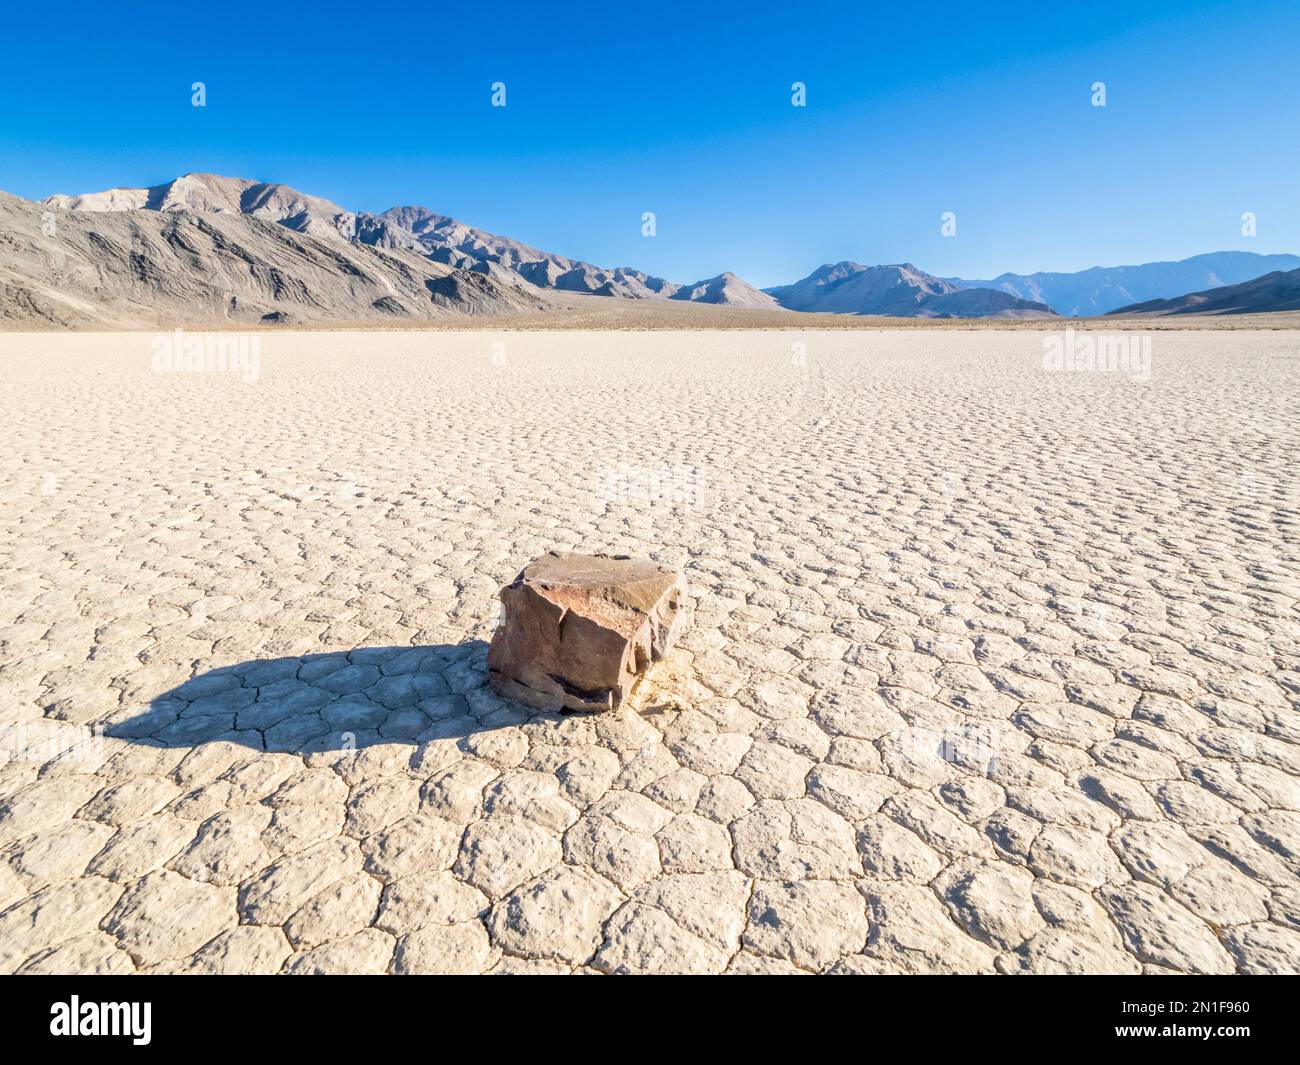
[1276,291]
[849,287]
[1102,289]
[410,228]
[134,267]
[513,264]
[411,261]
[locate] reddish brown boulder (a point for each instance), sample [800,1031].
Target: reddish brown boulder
[577,630]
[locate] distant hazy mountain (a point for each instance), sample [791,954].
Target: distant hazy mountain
[413,229]
[901,290]
[140,266]
[1104,288]
[1278,291]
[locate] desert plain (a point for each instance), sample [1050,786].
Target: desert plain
[989,668]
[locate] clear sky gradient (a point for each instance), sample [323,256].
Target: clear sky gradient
[684,110]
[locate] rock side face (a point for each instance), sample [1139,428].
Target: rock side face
[577,630]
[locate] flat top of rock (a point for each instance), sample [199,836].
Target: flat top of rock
[634,583]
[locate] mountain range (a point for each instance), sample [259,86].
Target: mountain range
[901,290]
[206,247]
[1102,289]
[140,266]
[1278,291]
[507,274]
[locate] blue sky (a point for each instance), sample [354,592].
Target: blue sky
[684,110]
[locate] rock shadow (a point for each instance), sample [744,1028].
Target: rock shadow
[333,701]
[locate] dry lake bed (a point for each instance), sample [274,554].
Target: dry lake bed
[991,667]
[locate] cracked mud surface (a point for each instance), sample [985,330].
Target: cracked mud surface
[989,669]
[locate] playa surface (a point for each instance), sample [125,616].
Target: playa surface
[990,668]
